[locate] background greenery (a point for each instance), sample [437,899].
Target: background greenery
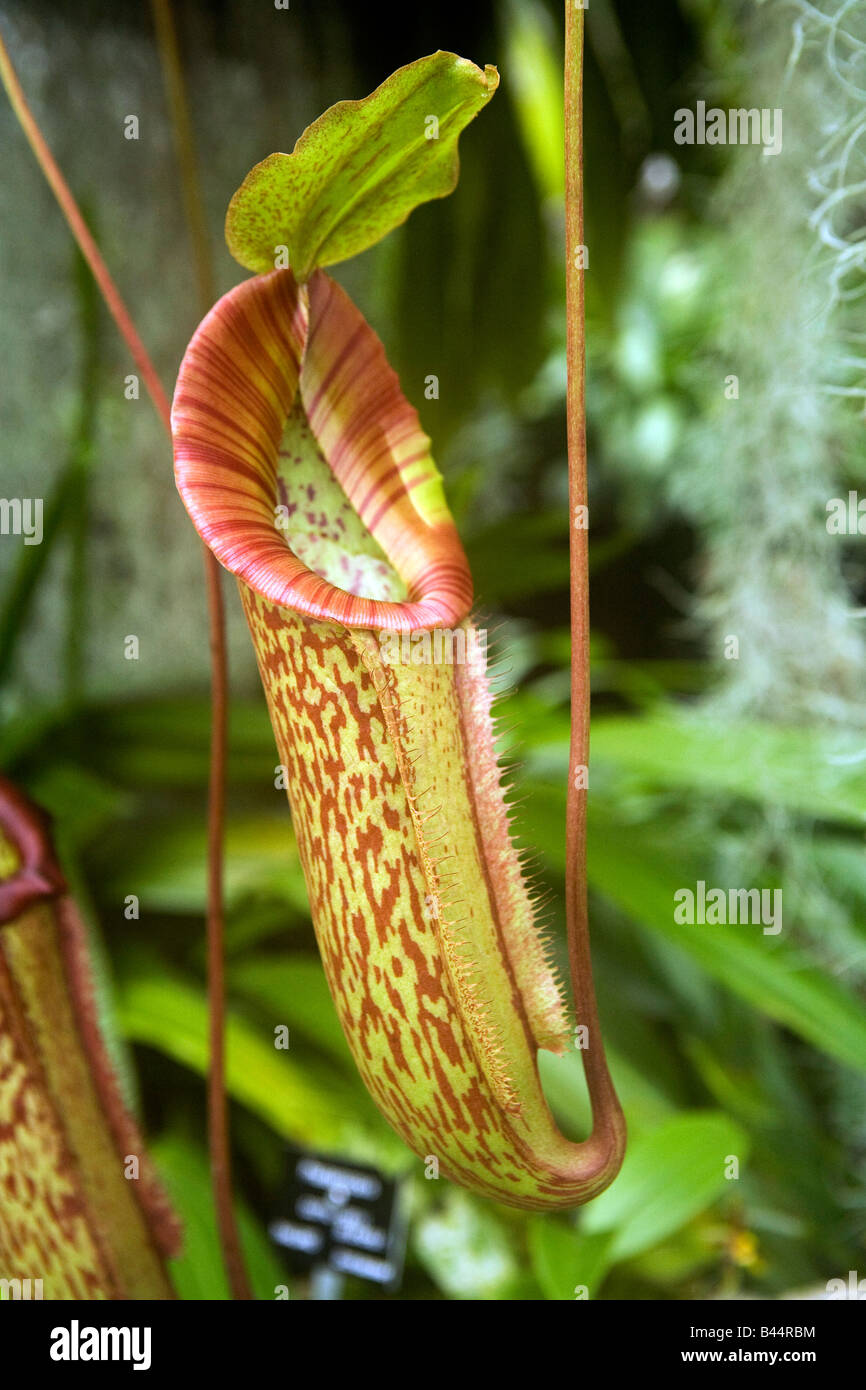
[708,521]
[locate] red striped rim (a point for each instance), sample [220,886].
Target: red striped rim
[37,875]
[259,345]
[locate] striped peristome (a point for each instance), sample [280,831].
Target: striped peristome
[306,471]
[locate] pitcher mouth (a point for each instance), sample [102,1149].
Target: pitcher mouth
[266,347]
[33,873]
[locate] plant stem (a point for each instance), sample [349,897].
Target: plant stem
[184,144]
[607,1118]
[218,1120]
[126,327]
[79,494]
[86,244]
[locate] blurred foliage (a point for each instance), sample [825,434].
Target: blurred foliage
[723,1040]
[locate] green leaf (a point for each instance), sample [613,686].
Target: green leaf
[80,802]
[198,1272]
[634,872]
[167,868]
[565,1089]
[566,1261]
[161,743]
[541,540]
[171,1015]
[360,169]
[820,772]
[669,1175]
[535,69]
[294,988]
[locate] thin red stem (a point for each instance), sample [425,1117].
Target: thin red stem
[218,1120]
[219,1141]
[608,1124]
[80,231]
